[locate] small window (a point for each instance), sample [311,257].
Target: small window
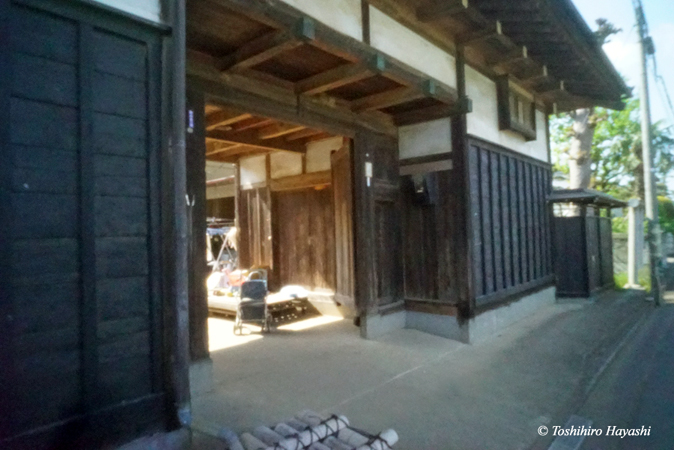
[516,109]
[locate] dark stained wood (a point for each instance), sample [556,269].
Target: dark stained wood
[487,232]
[342,188]
[496,223]
[521,196]
[251,138]
[513,181]
[255,225]
[223,117]
[476,221]
[196,190]
[365,20]
[506,220]
[333,79]
[439,10]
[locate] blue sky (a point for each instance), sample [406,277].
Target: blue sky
[623,49]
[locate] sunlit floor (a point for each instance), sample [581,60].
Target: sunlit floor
[221,335]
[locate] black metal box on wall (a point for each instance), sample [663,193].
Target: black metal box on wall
[583,241]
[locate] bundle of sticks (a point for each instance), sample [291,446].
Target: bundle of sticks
[311,431]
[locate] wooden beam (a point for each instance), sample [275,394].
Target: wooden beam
[268,46]
[278,129]
[475,37]
[332,79]
[518,55]
[537,79]
[434,112]
[440,10]
[251,138]
[385,99]
[224,117]
[307,132]
[222,149]
[253,122]
[301,181]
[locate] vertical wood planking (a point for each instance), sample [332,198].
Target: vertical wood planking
[531,249]
[476,221]
[497,226]
[535,203]
[6,300]
[515,222]
[487,230]
[89,314]
[504,165]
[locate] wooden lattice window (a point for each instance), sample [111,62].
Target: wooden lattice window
[516,109]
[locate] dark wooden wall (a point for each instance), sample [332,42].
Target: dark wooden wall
[342,188]
[304,238]
[510,222]
[222,208]
[378,223]
[428,230]
[255,228]
[81,300]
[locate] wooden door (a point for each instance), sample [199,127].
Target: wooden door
[342,188]
[379,268]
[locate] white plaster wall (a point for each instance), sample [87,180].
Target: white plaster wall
[318,153]
[427,138]
[253,170]
[404,44]
[227,190]
[216,170]
[342,15]
[483,121]
[285,164]
[146,9]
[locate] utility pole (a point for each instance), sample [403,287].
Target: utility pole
[646,48]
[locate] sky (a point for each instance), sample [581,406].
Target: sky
[623,49]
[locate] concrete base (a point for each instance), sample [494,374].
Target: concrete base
[201,377]
[175,440]
[484,325]
[375,325]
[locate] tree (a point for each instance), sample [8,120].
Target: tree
[584,123]
[615,154]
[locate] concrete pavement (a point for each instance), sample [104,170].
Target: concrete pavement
[436,393]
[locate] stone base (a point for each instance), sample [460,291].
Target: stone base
[201,377]
[375,325]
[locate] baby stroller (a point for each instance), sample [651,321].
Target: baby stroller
[253,306]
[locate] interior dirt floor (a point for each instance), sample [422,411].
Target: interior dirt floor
[436,393]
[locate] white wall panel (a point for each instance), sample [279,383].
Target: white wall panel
[146,9]
[341,15]
[285,164]
[483,121]
[318,153]
[404,44]
[428,138]
[253,170]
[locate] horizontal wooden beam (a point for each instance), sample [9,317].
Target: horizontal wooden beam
[537,79]
[224,117]
[250,138]
[463,106]
[332,79]
[268,46]
[441,9]
[278,129]
[223,149]
[385,99]
[475,37]
[307,132]
[518,55]
[302,181]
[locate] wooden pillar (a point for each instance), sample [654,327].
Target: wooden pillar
[196,190]
[463,235]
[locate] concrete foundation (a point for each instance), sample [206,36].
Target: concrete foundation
[201,377]
[484,325]
[376,325]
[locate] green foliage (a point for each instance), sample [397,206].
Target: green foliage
[644,277]
[616,150]
[666,214]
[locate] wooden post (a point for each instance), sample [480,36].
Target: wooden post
[463,235]
[195,164]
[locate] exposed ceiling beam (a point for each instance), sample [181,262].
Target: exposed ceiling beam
[278,129]
[332,79]
[537,79]
[253,122]
[307,132]
[475,37]
[268,46]
[385,99]
[224,117]
[518,55]
[250,138]
[440,9]
[222,149]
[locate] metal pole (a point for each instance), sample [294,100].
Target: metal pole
[651,200]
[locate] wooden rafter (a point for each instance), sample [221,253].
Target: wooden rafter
[441,9]
[520,54]
[278,129]
[478,36]
[307,132]
[251,138]
[332,79]
[224,117]
[268,46]
[222,149]
[253,122]
[385,99]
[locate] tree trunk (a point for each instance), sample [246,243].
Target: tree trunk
[580,155]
